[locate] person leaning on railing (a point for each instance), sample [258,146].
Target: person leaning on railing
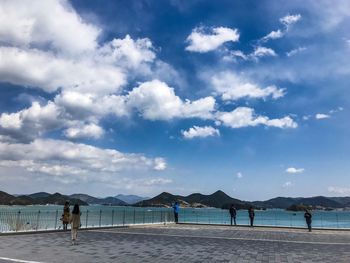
[75,223]
[176,208]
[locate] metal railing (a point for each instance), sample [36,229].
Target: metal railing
[275,217]
[22,220]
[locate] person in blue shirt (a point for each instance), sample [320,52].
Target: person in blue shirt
[176,208]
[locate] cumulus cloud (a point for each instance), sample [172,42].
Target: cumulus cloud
[29,123]
[339,190]
[34,23]
[200,132]
[293,170]
[90,130]
[47,71]
[127,52]
[232,87]
[159,164]
[57,157]
[155,100]
[203,40]
[320,116]
[244,117]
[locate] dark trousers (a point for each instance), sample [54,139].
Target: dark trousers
[308,222]
[233,218]
[176,216]
[251,221]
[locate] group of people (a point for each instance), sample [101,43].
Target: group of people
[251,215]
[233,214]
[73,219]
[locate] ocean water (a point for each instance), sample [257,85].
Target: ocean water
[25,218]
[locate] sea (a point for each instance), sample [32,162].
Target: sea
[39,217]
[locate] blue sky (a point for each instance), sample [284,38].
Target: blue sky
[140,97]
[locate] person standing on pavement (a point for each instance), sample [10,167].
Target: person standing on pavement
[176,208]
[66,215]
[251,215]
[233,214]
[308,219]
[75,223]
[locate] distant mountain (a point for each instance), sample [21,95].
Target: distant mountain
[316,201]
[278,202]
[39,195]
[218,199]
[131,199]
[59,199]
[99,201]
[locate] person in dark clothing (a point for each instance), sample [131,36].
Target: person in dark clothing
[176,208]
[251,215]
[233,214]
[308,219]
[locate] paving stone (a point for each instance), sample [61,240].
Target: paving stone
[181,243]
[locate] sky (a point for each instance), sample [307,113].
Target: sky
[145,96]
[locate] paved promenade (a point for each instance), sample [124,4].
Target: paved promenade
[179,243]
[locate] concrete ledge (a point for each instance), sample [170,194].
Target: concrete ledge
[80,229]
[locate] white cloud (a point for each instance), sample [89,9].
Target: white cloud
[244,117]
[35,23]
[273,35]
[57,157]
[289,20]
[263,52]
[233,87]
[320,116]
[40,69]
[293,170]
[203,40]
[159,164]
[287,184]
[239,175]
[155,100]
[84,131]
[339,190]
[127,52]
[234,54]
[295,51]
[200,132]
[31,122]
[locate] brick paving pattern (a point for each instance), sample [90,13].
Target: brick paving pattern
[180,243]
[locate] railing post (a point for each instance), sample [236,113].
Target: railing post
[17,220]
[99,221]
[134,215]
[37,220]
[337,219]
[161,216]
[56,219]
[144,215]
[124,216]
[112,217]
[86,219]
